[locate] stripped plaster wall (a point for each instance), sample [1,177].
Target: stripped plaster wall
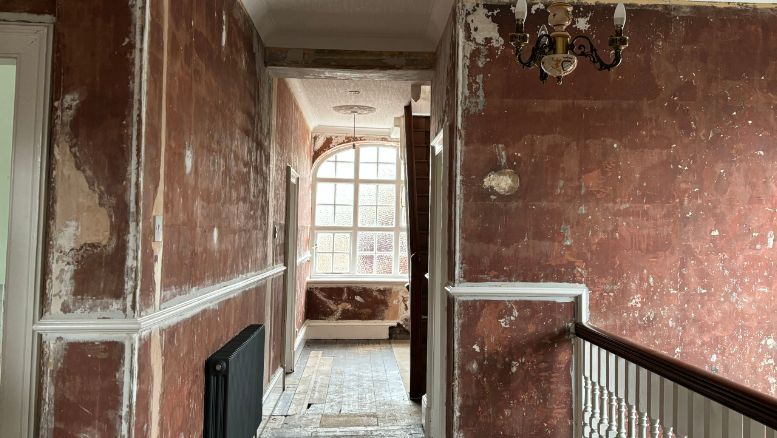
[324,142]
[160,107]
[653,184]
[292,146]
[363,303]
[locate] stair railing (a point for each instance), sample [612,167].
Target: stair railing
[629,391]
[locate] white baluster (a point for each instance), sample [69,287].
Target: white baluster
[644,425]
[732,423]
[655,430]
[623,411]
[754,429]
[604,420]
[633,422]
[587,412]
[593,422]
[683,420]
[632,397]
[669,411]
[714,420]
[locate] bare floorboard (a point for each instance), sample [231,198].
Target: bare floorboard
[345,389]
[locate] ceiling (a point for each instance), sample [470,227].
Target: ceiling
[406,25]
[316,98]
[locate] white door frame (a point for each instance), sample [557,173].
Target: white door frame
[30,45]
[437,339]
[291,233]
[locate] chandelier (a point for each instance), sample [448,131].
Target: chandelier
[556,53]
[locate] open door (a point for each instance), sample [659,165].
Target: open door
[415,142]
[24,79]
[290,281]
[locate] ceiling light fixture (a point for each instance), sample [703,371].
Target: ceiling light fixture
[354,109]
[554,53]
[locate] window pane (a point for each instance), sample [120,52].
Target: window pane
[326,170]
[343,216]
[325,215]
[366,242]
[403,265]
[367,216]
[368,171]
[402,243]
[342,242]
[385,242]
[388,155]
[366,264]
[346,155]
[386,216]
[344,170]
[386,194]
[324,263]
[368,194]
[324,242]
[384,264]
[387,171]
[368,154]
[325,193]
[341,264]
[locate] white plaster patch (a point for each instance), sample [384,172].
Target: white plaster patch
[482,29]
[188,159]
[770,240]
[636,301]
[215,235]
[476,347]
[582,24]
[504,182]
[223,29]
[769,342]
[714,233]
[514,367]
[358,298]
[536,7]
[714,358]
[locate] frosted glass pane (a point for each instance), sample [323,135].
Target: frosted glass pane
[386,194]
[402,243]
[368,171]
[327,170]
[386,242]
[324,242]
[366,242]
[368,154]
[367,216]
[342,242]
[325,215]
[346,155]
[367,194]
[344,194]
[388,155]
[403,265]
[387,171]
[365,264]
[344,216]
[341,263]
[345,170]
[325,193]
[386,216]
[384,264]
[324,263]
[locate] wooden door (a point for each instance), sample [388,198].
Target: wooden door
[416,144]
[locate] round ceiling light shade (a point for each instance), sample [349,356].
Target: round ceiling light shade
[354,109]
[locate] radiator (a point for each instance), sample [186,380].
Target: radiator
[233,386]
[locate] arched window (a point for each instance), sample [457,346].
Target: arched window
[359,216]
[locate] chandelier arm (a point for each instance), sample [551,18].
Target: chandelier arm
[583,47]
[540,49]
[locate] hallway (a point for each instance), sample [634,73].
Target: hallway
[346,389]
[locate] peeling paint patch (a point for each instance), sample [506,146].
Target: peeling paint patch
[581,23]
[567,235]
[482,29]
[188,159]
[504,182]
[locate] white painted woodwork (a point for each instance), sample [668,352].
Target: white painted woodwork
[622,400]
[30,45]
[291,233]
[348,329]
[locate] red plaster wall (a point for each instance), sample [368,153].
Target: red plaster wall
[92,129]
[338,303]
[47,7]
[84,394]
[171,360]
[653,185]
[512,369]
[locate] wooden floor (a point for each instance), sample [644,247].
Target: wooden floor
[345,389]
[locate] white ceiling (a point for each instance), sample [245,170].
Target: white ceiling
[406,25]
[316,98]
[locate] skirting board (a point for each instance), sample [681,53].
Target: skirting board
[299,344]
[348,329]
[274,381]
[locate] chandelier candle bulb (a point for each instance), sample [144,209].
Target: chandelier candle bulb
[620,16]
[520,10]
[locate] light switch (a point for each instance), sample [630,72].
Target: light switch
[158,223]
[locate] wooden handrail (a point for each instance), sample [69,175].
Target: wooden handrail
[746,401]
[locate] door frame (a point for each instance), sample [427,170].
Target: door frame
[291,236]
[31,45]
[438,303]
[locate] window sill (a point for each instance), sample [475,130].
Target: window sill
[358,281]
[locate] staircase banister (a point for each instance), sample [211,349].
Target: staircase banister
[746,401]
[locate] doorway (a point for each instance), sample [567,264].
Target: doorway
[290,284]
[24,73]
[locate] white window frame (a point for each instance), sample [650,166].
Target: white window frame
[354,229]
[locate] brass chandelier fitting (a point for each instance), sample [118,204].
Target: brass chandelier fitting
[556,53]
